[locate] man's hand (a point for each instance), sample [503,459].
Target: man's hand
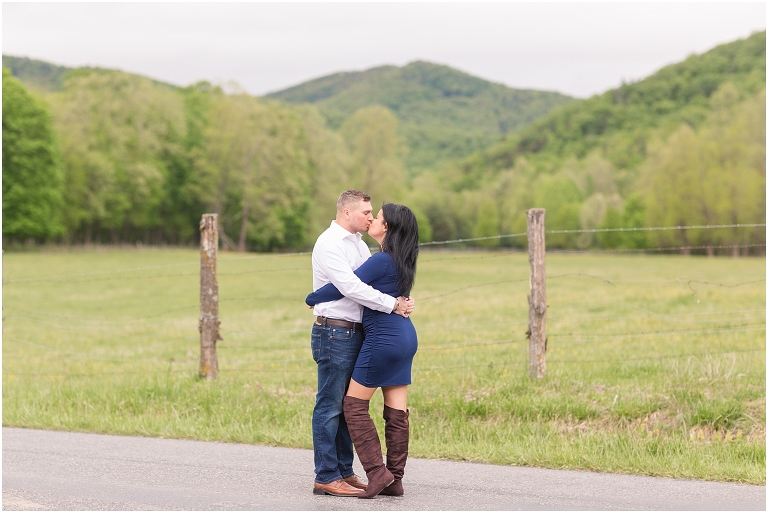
[404,306]
[410,304]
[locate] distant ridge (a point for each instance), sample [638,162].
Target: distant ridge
[36,74]
[444,113]
[684,146]
[43,76]
[619,121]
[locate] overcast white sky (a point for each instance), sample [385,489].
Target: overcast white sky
[575,48]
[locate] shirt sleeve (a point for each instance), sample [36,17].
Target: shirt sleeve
[371,270]
[335,266]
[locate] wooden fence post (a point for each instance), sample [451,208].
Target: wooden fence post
[209,297]
[537,300]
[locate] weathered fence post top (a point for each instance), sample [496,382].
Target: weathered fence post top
[537,300]
[209,296]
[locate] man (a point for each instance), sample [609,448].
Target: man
[337,336]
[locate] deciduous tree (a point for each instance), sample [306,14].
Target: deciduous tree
[32,180]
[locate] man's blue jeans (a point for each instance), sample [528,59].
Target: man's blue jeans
[335,350]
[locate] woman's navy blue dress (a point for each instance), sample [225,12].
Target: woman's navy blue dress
[390,340]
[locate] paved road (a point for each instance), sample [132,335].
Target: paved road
[51,470]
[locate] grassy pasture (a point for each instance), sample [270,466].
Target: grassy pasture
[655,364]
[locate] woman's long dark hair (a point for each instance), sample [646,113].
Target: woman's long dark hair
[402,243]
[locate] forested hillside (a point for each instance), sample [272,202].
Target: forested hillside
[683,146]
[100,156]
[443,113]
[36,74]
[140,160]
[620,121]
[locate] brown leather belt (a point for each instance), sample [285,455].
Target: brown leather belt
[337,322]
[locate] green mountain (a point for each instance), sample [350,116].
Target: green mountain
[620,122]
[685,146]
[141,159]
[35,74]
[444,113]
[45,77]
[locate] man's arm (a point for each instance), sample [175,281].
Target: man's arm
[334,265]
[370,271]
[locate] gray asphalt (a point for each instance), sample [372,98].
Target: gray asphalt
[50,470]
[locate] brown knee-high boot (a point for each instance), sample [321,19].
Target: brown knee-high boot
[366,440]
[396,435]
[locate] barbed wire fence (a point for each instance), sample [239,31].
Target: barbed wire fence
[717,323]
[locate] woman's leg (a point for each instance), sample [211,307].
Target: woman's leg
[366,438]
[396,434]
[395,397]
[357,390]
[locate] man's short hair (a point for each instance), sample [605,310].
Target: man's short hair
[349,197]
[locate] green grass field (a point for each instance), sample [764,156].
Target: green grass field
[655,364]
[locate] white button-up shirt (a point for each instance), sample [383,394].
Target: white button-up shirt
[336,255]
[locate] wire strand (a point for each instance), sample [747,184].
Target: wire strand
[661,228]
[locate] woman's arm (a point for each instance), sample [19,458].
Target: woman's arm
[372,269]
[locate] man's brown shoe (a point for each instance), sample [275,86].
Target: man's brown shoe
[338,488]
[354,481]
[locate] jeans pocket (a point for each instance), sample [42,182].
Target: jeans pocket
[317,348]
[341,333]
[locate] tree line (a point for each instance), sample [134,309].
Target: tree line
[118,158]
[685,146]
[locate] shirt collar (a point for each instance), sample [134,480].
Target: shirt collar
[342,233]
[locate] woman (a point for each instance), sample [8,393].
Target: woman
[387,353]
